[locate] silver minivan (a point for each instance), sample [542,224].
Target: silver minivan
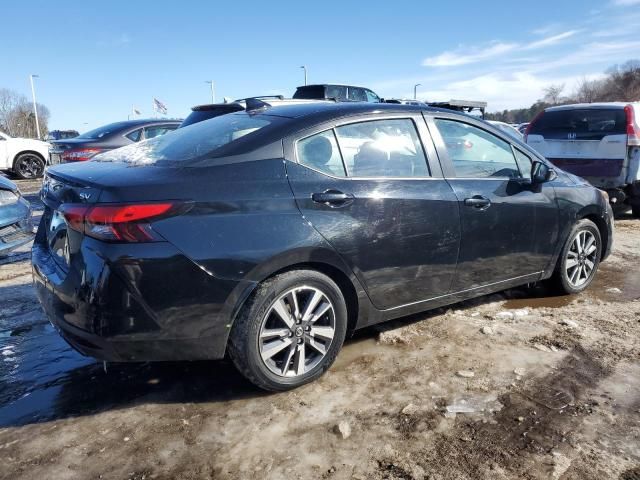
[597,141]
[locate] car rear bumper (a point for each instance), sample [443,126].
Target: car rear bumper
[130,307]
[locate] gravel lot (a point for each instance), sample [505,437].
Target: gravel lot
[510,386]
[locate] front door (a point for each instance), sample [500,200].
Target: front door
[368,188]
[509,227]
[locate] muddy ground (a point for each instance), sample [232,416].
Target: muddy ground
[510,386]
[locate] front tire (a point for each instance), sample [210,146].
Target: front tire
[290,331]
[28,166]
[579,259]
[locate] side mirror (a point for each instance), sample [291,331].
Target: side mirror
[541,173]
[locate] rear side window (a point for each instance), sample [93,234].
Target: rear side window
[309,93]
[476,153]
[356,94]
[382,148]
[580,124]
[337,91]
[135,135]
[158,130]
[321,152]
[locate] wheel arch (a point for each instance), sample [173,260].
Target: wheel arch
[22,152]
[597,219]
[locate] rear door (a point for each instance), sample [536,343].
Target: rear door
[375,192]
[509,227]
[588,142]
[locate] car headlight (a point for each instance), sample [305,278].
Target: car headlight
[8,197]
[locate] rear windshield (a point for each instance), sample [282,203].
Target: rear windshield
[102,132]
[195,142]
[310,93]
[201,115]
[580,124]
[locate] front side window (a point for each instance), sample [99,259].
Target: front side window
[321,152]
[524,163]
[372,97]
[382,148]
[476,153]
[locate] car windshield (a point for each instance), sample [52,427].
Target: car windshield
[195,142]
[102,132]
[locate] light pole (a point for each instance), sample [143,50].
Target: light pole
[304,67]
[415,90]
[35,109]
[213,95]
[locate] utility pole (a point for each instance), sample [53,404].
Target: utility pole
[35,108]
[304,67]
[415,90]
[213,94]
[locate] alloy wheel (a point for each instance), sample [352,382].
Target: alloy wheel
[30,166]
[297,331]
[581,258]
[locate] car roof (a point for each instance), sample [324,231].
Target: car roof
[597,105]
[147,121]
[332,85]
[331,109]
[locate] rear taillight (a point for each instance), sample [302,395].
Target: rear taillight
[119,222]
[633,131]
[528,129]
[79,154]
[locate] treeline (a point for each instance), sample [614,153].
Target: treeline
[17,118]
[621,84]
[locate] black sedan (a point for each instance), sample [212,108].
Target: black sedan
[272,233]
[108,137]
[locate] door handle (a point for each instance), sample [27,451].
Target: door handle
[478,201]
[333,198]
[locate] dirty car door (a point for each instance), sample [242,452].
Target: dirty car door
[367,187]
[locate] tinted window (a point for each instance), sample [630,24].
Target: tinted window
[158,130]
[310,93]
[382,148]
[135,135]
[102,132]
[195,142]
[321,153]
[580,124]
[476,153]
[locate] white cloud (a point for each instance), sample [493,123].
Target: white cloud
[626,3]
[552,40]
[464,56]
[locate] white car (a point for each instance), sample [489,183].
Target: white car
[597,141]
[25,157]
[505,127]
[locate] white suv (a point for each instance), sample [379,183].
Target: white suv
[597,141]
[25,157]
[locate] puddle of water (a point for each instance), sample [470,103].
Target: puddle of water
[628,281]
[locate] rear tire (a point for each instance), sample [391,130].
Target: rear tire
[579,259]
[28,166]
[300,315]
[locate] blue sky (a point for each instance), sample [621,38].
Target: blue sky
[97,59]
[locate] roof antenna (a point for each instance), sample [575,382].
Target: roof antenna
[255,104]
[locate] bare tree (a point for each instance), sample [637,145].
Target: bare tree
[16,115]
[553,94]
